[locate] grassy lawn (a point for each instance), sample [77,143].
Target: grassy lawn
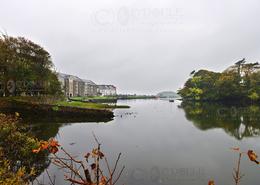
[112,97]
[101,97]
[36,100]
[90,105]
[128,97]
[94,98]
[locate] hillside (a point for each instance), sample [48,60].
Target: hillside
[168,94]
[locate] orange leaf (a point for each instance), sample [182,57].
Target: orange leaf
[53,143]
[103,180]
[36,150]
[252,156]
[211,182]
[95,152]
[53,150]
[44,145]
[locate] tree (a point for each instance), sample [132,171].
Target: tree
[228,86]
[29,65]
[201,86]
[254,96]
[248,69]
[239,65]
[242,82]
[192,72]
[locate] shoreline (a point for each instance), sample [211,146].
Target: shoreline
[42,109]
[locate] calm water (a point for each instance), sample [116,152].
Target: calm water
[164,143]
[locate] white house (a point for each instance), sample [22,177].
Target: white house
[107,90]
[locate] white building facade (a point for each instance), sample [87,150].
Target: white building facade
[75,86]
[107,90]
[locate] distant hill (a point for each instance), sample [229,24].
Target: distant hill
[168,94]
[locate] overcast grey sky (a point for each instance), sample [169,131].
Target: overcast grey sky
[141,46]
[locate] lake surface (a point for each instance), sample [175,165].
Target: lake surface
[166,143]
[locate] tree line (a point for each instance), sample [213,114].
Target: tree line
[240,82]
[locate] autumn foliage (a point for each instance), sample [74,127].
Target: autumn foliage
[51,146]
[16,160]
[87,172]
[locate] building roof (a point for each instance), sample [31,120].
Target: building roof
[63,75]
[75,78]
[89,82]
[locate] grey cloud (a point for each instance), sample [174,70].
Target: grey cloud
[140,46]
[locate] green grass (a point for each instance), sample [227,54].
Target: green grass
[101,97]
[94,98]
[112,97]
[128,97]
[77,98]
[90,105]
[56,103]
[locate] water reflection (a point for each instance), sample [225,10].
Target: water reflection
[160,146]
[45,126]
[237,121]
[158,142]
